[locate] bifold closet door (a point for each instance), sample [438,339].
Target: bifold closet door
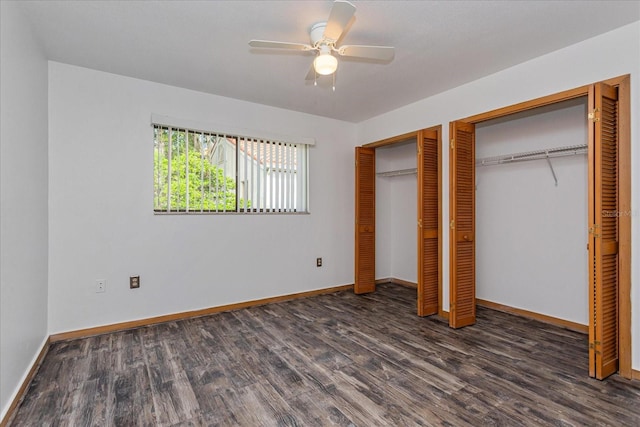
[429,149]
[462,290]
[603,230]
[365,224]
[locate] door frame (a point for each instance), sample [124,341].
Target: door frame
[400,139]
[624,191]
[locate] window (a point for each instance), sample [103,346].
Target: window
[198,172]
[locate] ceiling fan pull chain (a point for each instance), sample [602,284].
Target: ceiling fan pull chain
[334,82]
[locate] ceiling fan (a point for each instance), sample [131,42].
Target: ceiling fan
[324,38]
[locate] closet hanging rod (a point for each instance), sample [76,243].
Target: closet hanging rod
[398,172]
[569,150]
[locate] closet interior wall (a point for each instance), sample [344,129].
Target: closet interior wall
[531,235]
[396,212]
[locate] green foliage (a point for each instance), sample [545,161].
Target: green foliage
[209,189]
[198,186]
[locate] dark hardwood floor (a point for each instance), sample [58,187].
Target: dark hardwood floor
[337,359]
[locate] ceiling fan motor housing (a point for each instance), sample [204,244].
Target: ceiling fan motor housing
[317,34]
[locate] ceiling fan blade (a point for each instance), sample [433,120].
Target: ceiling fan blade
[279,45]
[340,15]
[382,53]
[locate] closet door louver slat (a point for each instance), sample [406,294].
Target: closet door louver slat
[462,310]
[365,239]
[603,231]
[428,222]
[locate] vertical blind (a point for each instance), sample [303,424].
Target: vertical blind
[198,172]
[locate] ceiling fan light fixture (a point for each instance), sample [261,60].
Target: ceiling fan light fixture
[325,64]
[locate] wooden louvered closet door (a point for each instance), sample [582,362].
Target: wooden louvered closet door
[603,230]
[365,226]
[462,305]
[428,222]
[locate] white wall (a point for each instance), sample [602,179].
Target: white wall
[609,55]
[531,236]
[383,216]
[23,200]
[396,213]
[101,217]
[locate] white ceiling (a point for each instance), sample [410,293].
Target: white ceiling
[202,45]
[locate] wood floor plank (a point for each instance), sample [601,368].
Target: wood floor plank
[331,360]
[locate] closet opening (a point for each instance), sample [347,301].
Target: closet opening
[398,204]
[531,214]
[607,243]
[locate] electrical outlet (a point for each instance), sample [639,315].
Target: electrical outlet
[101,285]
[134,282]
[318,262]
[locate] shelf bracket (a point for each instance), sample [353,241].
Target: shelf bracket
[555,178]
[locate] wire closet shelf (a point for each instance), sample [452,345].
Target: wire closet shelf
[548,154]
[398,172]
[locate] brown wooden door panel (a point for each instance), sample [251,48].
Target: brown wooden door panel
[604,230]
[429,185]
[365,236]
[462,310]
